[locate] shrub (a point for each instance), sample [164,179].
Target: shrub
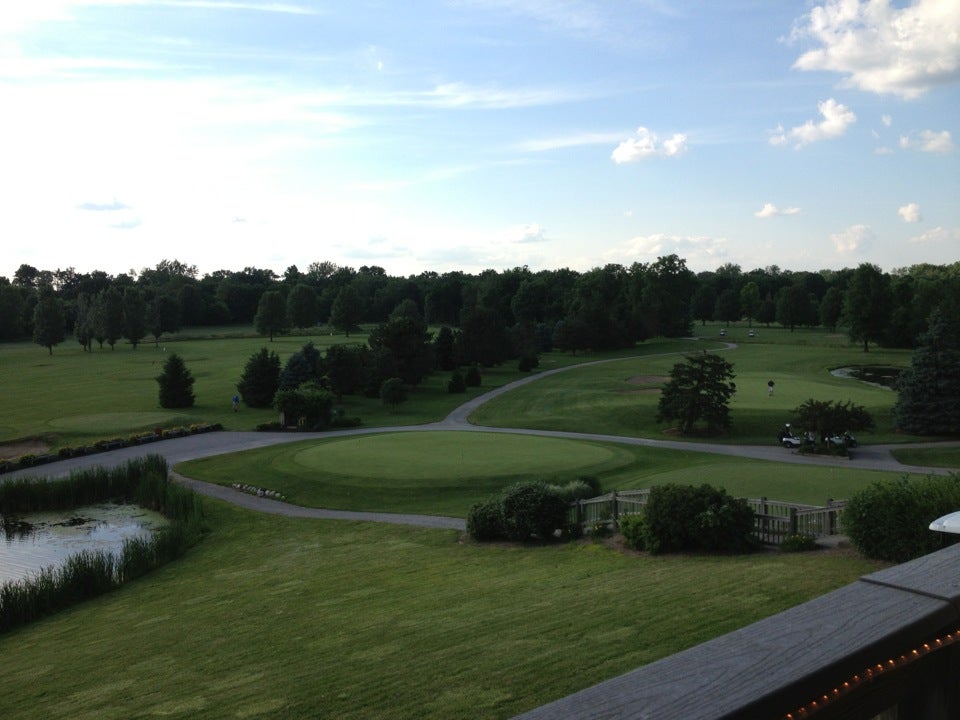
[889,520]
[528,362]
[472,378]
[683,517]
[633,528]
[532,508]
[260,379]
[485,520]
[457,383]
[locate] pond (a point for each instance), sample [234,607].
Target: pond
[879,375]
[31,542]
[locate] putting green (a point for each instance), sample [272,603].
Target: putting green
[418,455]
[112,422]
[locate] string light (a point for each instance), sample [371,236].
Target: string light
[868,674]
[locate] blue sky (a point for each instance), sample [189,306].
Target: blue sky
[473,134]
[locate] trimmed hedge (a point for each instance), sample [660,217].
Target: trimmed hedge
[890,520]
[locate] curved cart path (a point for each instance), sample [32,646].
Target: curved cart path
[871,457]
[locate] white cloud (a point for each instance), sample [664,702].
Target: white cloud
[770,210]
[929,141]
[698,251]
[910,213]
[886,120]
[836,119]
[854,240]
[646,144]
[881,48]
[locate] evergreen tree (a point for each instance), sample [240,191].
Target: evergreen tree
[48,320]
[699,389]
[176,384]
[260,379]
[928,400]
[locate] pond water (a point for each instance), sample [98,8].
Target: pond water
[879,375]
[33,541]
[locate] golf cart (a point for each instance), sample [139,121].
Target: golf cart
[788,439]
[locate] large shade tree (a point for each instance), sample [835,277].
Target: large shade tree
[48,320]
[866,305]
[271,317]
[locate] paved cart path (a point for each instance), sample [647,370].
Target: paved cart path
[192,447]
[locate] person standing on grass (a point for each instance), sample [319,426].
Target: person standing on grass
[769,388]
[236,403]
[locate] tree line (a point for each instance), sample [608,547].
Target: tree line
[501,315]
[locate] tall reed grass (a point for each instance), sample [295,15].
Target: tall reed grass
[88,574]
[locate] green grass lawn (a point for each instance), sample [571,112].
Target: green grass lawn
[948,457]
[621,397]
[272,617]
[72,397]
[444,473]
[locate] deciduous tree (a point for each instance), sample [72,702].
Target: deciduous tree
[48,320]
[699,389]
[271,317]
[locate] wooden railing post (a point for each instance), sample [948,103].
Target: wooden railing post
[793,521]
[613,508]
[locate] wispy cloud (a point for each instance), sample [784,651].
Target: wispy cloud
[929,141]
[937,235]
[567,141]
[881,48]
[645,144]
[104,207]
[836,119]
[770,210]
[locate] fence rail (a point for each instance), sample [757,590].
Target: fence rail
[774,520]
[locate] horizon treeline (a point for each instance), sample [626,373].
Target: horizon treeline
[602,308]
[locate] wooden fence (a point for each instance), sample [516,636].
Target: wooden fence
[774,520]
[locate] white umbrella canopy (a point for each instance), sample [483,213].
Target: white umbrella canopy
[948,523]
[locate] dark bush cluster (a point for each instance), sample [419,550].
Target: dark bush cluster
[683,518]
[890,520]
[522,511]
